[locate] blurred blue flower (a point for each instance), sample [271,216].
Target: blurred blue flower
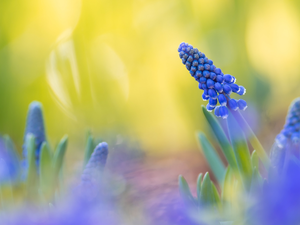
[215,85]
[94,168]
[9,168]
[279,202]
[287,142]
[35,126]
[291,130]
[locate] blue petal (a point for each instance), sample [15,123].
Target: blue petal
[213,76]
[219,87]
[210,83]
[212,102]
[233,104]
[242,104]
[212,93]
[227,89]
[222,99]
[242,91]
[209,107]
[223,112]
[217,111]
[220,79]
[204,97]
[228,78]
[234,87]
[206,73]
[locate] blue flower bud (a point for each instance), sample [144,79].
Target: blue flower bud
[202,80]
[223,112]
[201,67]
[201,60]
[212,102]
[227,89]
[242,90]
[206,73]
[233,104]
[192,73]
[206,66]
[212,93]
[210,62]
[205,60]
[228,78]
[209,107]
[219,87]
[204,97]
[198,74]
[234,87]
[195,63]
[242,104]
[220,79]
[202,55]
[183,60]
[204,86]
[193,68]
[217,111]
[206,93]
[222,99]
[190,59]
[213,76]
[212,68]
[218,71]
[200,86]
[210,83]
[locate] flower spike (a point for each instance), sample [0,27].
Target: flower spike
[216,86]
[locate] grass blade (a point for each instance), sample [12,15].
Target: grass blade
[212,158]
[46,172]
[221,137]
[207,198]
[59,155]
[89,148]
[199,181]
[185,191]
[32,170]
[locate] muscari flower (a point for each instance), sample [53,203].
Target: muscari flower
[35,126]
[216,86]
[291,129]
[95,165]
[287,141]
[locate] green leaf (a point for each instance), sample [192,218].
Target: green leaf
[254,160]
[212,158]
[227,185]
[32,171]
[216,196]
[241,151]
[185,191]
[221,137]
[46,171]
[256,182]
[199,181]
[59,155]
[206,193]
[89,148]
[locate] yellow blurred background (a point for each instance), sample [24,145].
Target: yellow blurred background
[113,67]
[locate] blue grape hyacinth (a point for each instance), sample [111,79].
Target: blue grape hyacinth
[95,165]
[216,86]
[291,129]
[34,126]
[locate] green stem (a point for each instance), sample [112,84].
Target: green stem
[252,138]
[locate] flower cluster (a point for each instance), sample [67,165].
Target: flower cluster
[291,129]
[215,85]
